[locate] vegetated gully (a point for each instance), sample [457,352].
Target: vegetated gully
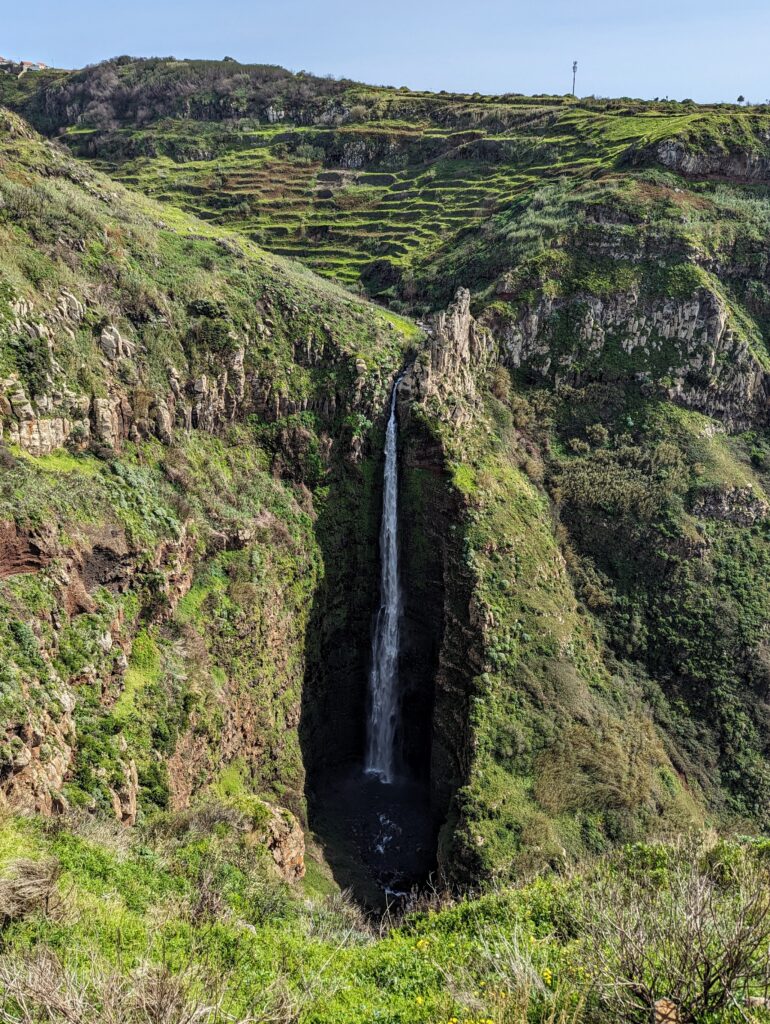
[381,766]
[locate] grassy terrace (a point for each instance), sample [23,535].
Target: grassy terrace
[290,188]
[365,185]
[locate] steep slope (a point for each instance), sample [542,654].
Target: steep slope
[617,633]
[169,398]
[584,444]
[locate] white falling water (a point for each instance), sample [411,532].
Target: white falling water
[383,676]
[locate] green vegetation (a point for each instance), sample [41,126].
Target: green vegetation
[189,496]
[373,187]
[182,918]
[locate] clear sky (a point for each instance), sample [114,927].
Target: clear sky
[707,50]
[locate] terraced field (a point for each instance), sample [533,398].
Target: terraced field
[335,220]
[368,204]
[370,186]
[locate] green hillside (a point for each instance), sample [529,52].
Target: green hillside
[211,277]
[369,186]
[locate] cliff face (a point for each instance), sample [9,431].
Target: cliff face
[170,402]
[688,347]
[190,474]
[563,573]
[738,164]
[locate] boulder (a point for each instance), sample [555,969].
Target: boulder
[286,843]
[114,345]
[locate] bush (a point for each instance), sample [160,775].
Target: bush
[29,887]
[695,932]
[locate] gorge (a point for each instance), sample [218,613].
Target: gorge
[384,527]
[378,814]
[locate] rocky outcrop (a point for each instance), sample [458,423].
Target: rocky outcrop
[739,505]
[35,758]
[124,796]
[743,165]
[114,345]
[689,347]
[22,551]
[286,842]
[447,368]
[57,416]
[42,424]
[45,424]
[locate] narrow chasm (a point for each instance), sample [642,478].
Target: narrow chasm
[379,823]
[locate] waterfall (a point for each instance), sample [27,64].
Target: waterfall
[383,675]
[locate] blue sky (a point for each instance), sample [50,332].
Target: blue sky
[679,48]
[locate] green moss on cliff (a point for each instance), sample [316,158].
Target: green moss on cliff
[173,575]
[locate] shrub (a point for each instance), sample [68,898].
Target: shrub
[38,988]
[696,933]
[29,887]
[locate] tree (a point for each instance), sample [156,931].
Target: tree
[741,99]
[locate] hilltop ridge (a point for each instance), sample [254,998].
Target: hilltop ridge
[369,185]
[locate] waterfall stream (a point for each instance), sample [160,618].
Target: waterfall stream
[381,824]
[383,675]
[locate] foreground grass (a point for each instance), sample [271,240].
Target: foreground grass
[183,920]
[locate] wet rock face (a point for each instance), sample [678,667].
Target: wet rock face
[441,642]
[438,639]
